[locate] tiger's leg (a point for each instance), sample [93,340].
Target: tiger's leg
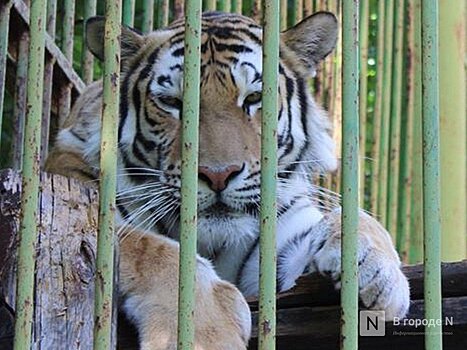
[382,285]
[149,287]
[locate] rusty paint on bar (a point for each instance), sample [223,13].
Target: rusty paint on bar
[104,283]
[30,183]
[87,58]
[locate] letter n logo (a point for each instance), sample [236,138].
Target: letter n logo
[372,323]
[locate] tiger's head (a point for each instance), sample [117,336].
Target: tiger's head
[151,107]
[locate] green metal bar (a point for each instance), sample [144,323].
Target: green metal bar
[363,37]
[4,24]
[68,29]
[431,180]
[416,201]
[19,108]
[267,240]
[106,241]
[237,6]
[162,17]
[48,82]
[283,9]
[386,112]
[349,280]
[395,119]
[224,5]
[452,31]
[30,183]
[87,59]
[210,5]
[292,13]
[148,16]
[378,110]
[128,12]
[188,209]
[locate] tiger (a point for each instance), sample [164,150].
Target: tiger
[149,176]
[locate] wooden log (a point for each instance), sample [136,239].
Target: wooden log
[64,279]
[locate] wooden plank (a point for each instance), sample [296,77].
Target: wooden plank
[22,10]
[318,328]
[64,279]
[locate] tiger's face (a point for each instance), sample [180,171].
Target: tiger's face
[229,125]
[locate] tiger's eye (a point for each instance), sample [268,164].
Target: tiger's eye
[253,98]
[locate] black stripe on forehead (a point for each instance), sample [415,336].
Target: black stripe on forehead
[125,87]
[219,47]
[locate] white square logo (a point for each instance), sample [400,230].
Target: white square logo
[372,323]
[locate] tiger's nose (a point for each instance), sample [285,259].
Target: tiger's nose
[216,179]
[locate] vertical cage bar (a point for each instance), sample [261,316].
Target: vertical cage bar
[104,283]
[237,6]
[128,12]
[30,184]
[431,181]
[48,81]
[267,241]
[283,9]
[377,119]
[349,292]
[148,16]
[386,112]
[210,5]
[19,109]
[224,5]
[4,24]
[363,37]
[67,32]
[87,59]
[416,200]
[395,118]
[189,168]
[165,12]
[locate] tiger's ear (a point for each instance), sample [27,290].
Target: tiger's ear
[131,40]
[312,39]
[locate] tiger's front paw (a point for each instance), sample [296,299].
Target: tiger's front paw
[149,286]
[382,285]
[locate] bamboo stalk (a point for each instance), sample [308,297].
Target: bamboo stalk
[363,37]
[405,174]
[453,129]
[386,113]
[416,202]
[378,110]
[395,119]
